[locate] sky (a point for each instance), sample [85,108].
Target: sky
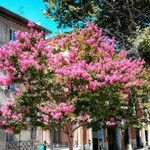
[32,10]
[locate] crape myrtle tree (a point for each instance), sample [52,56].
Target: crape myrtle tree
[68,81]
[119,18]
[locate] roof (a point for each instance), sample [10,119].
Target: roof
[19,19]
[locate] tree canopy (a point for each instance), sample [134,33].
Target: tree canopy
[117,17]
[69,81]
[141,41]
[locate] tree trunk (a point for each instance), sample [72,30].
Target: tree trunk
[69,129]
[70,141]
[69,132]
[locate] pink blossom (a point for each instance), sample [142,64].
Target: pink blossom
[45,117]
[10,130]
[5,80]
[93,85]
[111,122]
[16,117]
[18,91]
[31,24]
[57,115]
[55,111]
[2,123]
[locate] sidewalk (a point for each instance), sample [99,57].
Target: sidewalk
[63,149]
[75,148]
[145,148]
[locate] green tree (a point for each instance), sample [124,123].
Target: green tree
[118,18]
[141,42]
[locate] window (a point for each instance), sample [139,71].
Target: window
[12,35]
[12,88]
[10,137]
[33,133]
[55,136]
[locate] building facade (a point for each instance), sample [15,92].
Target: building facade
[129,139]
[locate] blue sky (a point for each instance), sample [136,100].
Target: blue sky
[32,10]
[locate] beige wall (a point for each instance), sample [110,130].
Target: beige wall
[5,26]
[63,138]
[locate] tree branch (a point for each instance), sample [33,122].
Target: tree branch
[130,13]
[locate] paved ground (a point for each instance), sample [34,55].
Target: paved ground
[63,149]
[145,148]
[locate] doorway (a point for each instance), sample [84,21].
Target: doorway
[111,138]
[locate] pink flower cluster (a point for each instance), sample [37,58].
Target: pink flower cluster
[8,113]
[111,122]
[5,80]
[16,57]
[10,130]
[104,66]
[53,111]
[31,24]
[83,117]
